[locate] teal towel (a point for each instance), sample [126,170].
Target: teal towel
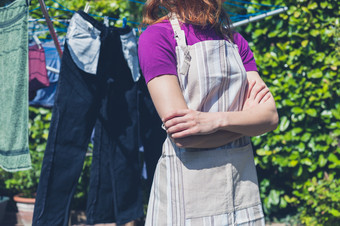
[14,153]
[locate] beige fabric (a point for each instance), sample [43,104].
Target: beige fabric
[207,186]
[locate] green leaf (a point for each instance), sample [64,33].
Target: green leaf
[304,43]
[300,171]
[333,158]
[336,132]
[336,113]
[305,137]
[296,131]
[335,212]
[274,197]
[284,123]
[262,152]
[312,112]
[297,110]
[313,5]
[322,161]
[315,74]
[301,147]
[314,32]
[323,4]
[297,14]
[293,163]
[306,161]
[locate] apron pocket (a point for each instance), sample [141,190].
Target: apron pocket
[211,180]
[246,190]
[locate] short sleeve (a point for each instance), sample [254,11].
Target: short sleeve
[246,54]
[156,52]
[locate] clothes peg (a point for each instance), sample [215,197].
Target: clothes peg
[124,22]
[37,41]
[87,7]
[106,21]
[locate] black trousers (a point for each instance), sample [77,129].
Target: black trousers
[108,101]
[152,136]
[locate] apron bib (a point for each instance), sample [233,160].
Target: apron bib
[207,186]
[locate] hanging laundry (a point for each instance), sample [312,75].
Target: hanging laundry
[129,44]
[45,97]
[14,153]
[96,88]
[37,70]
[151,133]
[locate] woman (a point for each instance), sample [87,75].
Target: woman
[210,100]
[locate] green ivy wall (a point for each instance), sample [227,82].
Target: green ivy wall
[298,56]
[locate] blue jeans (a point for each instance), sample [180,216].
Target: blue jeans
[108,101]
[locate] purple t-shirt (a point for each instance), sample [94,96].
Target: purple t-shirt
[157,48]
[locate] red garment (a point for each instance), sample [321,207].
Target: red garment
[37,70]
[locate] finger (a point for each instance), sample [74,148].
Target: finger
[265,98]
[261,94]
[257,88]
[182,134]
[175,121]
[251,86]
[178,128]
[175,113]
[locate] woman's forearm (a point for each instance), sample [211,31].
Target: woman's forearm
[194,129]
[253,121]
[213,140]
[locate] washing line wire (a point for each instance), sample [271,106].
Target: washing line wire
[254,3]
[143,3]
[94,15]
[259,17]
[236,17]
[132,22]
[34,9]
[253,14]
[247,2]
[59,4]
[240,6]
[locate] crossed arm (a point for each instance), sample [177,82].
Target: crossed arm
[194,129]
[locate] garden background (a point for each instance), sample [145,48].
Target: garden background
[298,56]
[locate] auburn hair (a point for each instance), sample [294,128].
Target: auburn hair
[197,12]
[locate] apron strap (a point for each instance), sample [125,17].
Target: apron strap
[179,33]
[181,42]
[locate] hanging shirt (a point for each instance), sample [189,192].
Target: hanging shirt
[37,70]
[45,96]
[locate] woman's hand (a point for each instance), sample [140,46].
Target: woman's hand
[257,93]
[186,122]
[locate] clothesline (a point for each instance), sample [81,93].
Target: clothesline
[256,16]
[63,8]
[259,17]
[254,3]
[235,16]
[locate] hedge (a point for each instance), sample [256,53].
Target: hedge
[298,56]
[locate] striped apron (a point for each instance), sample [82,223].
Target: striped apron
[216,186]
